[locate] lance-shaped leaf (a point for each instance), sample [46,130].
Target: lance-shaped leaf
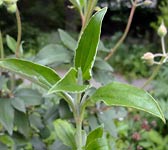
[65,132]
[36,73]
[68,83]
[88,43]
[118,94]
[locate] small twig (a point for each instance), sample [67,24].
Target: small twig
[155,72]
[163,46]
[1,46]
[19,26]
[112,51]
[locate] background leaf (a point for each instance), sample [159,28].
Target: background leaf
[22,123]
[36,73]
[11,43]
[53,54]
[29,97]
[67,40]
[88,43]
[118,94]
[6,114]
[65,132]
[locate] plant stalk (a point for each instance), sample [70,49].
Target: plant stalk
[163,59]
[1,46]
[163,46]
[19,26]
[155,72]
[88,12]
[113,50]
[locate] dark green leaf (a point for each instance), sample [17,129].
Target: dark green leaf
[67,40]
[106,118]
[3,146]
[103,77]
[53,54]
[51,114]
[102,65]
[118,94]
[88,43]
[6,114]
[58,145]
[22,123]
[29,97]
[68,83]
[11,43]
[97,133]
[98,144]
[36,73]
[65,132]
[18,104]
[38,144]
[36,121]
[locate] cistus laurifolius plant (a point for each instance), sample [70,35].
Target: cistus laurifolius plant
[76,91]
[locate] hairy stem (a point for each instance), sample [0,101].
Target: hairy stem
[19,26]
[1,46]
[79,133]
[112,51]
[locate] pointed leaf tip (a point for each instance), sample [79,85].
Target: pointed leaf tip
[118,94]
[87,46]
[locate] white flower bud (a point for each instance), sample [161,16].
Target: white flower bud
[149,58]
[10,1]
[147,2]
[12,8]
[1,2]
[162,31]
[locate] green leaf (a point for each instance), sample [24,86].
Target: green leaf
[65,132]
[18,104]
[22,123]
[11,43]
[118,94]
[28,96]
[6,114]
[102,65]
[106,118]
[68,83]
[67,40]
[53,54]
[98,144]
[58,145]
[88,43]
[78,4]
[96,133]
[36,73]
[7,140]
[155,137]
